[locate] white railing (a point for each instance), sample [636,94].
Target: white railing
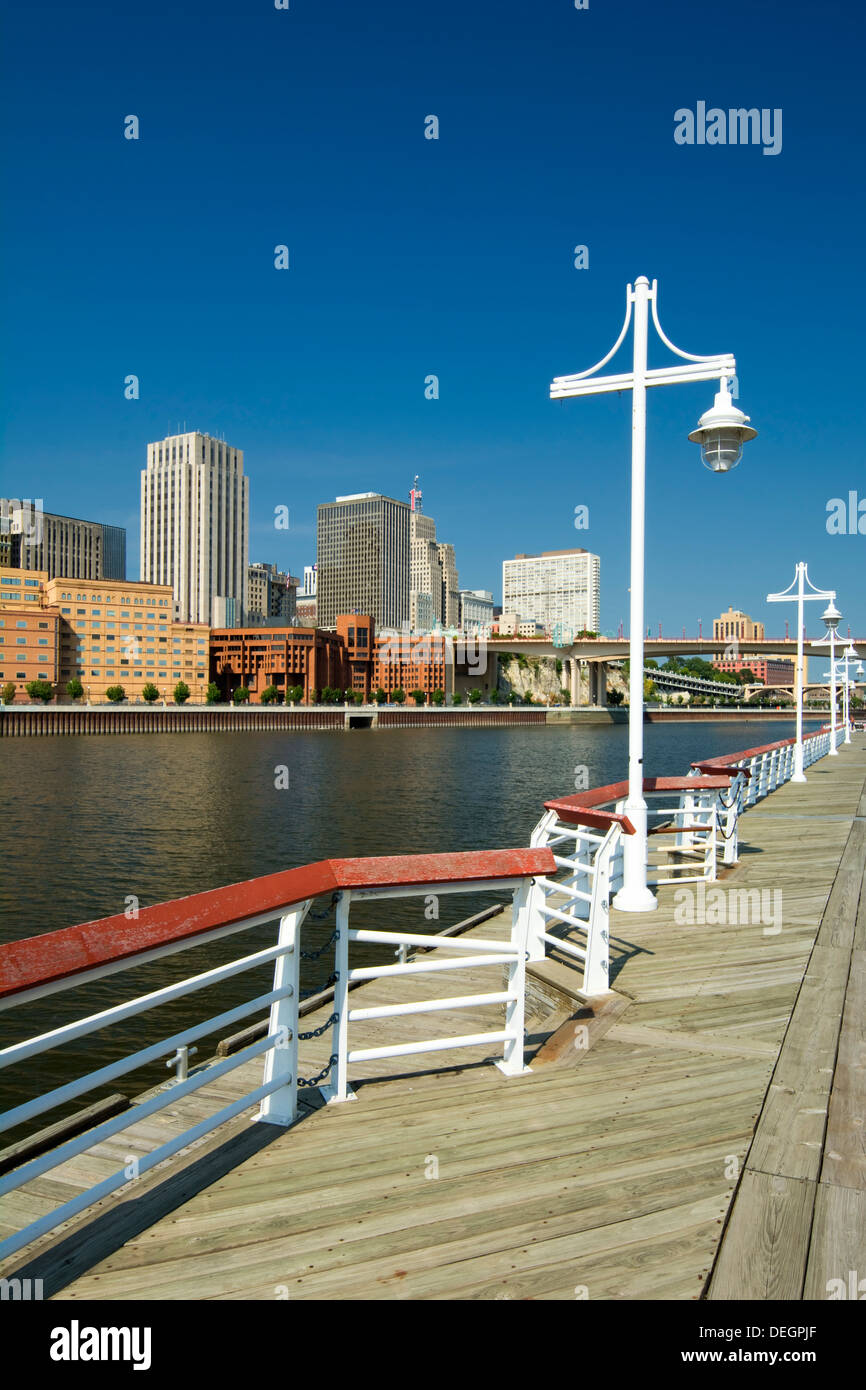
[40,966]
[589,861]
[275,1093]
[471,953]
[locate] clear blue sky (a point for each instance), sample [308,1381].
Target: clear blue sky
[453,257]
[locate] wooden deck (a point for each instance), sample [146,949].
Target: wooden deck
[700,1132]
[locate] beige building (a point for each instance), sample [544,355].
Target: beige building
[425,574]
[736,625]
[29,632]
[195,523]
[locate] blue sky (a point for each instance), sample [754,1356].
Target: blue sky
[411,257]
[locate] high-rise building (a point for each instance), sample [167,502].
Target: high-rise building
[434,589]
[425,573]
[555,587]
[450,585]
[363,559]
[271,596]
[309,588]
[33,539]
[195,522]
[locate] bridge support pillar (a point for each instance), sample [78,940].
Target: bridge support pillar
[574,678]
[602,684]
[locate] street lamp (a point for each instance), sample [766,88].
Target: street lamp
[721,433]
[849,655]
[799,596]
[831,618]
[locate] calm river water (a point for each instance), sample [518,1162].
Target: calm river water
[89,821]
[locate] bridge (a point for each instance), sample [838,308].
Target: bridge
[597,653]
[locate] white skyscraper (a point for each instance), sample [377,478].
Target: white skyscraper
[195,518]
[557,586]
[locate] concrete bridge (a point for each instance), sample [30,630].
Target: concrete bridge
[597,653]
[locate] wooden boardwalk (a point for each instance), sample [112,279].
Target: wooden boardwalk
[699,1132]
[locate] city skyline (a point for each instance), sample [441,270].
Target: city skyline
[326,369]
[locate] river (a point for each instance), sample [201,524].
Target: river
[91,821]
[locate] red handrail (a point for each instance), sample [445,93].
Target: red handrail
[58,955]
[582,808]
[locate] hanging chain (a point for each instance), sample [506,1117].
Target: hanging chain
[314,955]
[317,1032]
[324,911]
[315,1080]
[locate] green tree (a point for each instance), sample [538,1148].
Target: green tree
[295,694]
[419,696]
[241,695]
[40,690]
[615,697]
[494,696]
[181,693]
[650,692]
[457,698]
[558,667]
[380,697]
[314,697]
[149,693]
[213,693]
[7,694]
[398,696]
[269,694]
[512,697]
[438,697]
[115,693]
[74,688]
[474,695]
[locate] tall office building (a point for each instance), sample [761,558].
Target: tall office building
[557,586]
[271,596]
[450,586]
[33,539]
[425,573]
[195,519]
[363,559]
[434,590]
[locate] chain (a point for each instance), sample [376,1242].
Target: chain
[325,911]
[317,1032]
[314,955]
[314,1080]
[311,993]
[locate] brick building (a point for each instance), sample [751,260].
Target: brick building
[353,657]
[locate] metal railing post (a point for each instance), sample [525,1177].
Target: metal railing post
[339,1089]
[596,970]
[281,1063]
[512,1063]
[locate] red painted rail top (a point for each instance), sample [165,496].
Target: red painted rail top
[57,955]
[584,807]
[730,759]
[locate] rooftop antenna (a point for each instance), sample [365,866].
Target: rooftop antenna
[415,496]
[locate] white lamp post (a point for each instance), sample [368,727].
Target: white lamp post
[796,593]
[850,655]
[721,433]
[831,618]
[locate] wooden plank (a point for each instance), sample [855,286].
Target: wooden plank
[763,1253]
[838,1244]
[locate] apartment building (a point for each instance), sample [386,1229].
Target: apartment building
[557,586]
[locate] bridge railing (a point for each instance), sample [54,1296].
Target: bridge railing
[37,967]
